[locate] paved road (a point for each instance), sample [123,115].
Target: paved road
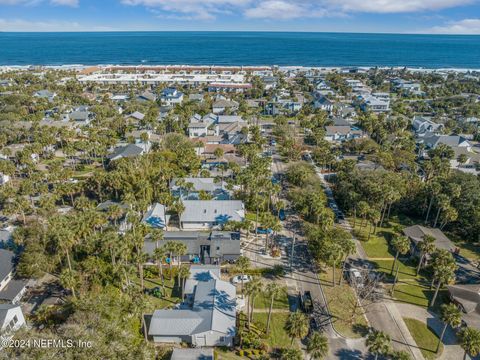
[382,315]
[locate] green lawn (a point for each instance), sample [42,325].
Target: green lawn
[153,303]
[262,301]
[348,318]
[424,337]
[377,245]
[407,269]
[418,294]
[278,336]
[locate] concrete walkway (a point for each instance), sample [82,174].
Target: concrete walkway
[451,348]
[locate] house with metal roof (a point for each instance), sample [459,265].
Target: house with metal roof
[342,133]
[206,318]
[156,216]
[129,151]
[192,354]
[190,188]
[206,247]
[210,214]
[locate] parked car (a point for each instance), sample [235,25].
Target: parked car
[306,302]
[264,231]
[355,278]
[238,279]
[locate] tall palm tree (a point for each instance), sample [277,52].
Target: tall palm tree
[378,343]
[427,246]
[443,274]
[243,264]
[450,315]
[317,346]
[272,290]
[296,326]
[401,245]
[470,341]
[400,355]
[180,250]
[160,254]
[256,287]
[183,273]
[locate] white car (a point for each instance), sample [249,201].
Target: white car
[239,278]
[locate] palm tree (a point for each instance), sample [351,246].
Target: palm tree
[69,279]
[255,287]
[450,315]
[180,250]
[378,343]
[291,354]
[401,244]
[160,254]
[183,274]
[243,264]
[273,290]
[317,346]
[443,274]
[427,246]
[296,326]
[470,341]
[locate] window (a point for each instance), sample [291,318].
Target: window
[15,319]
[222,338]
[218,248]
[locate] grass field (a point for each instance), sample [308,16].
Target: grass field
[262,301]
[425,338]
[348,319]
[278,336]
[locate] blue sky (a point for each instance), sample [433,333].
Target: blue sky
[391,16]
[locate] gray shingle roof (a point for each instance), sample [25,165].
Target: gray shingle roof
[7,258]
[417,232]
[13,288]
[131,150]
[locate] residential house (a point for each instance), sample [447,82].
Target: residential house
[193,354]
[375,104]
[222,105]
[171,96]
[195,186]
[199,126]
[11,289]
[270,82]
[45,94]
[432,141]
[467,298]
[136,116]
[425,126]
[81,115]
[202,247]
[472,160]
[407,87]
[129,151]
[207,317]
[199,98]
[156,216]
[147,96]
[209,214]
[417,233]
[342,133]
[323,103]
[11,319]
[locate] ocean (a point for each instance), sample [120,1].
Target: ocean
[240,48]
